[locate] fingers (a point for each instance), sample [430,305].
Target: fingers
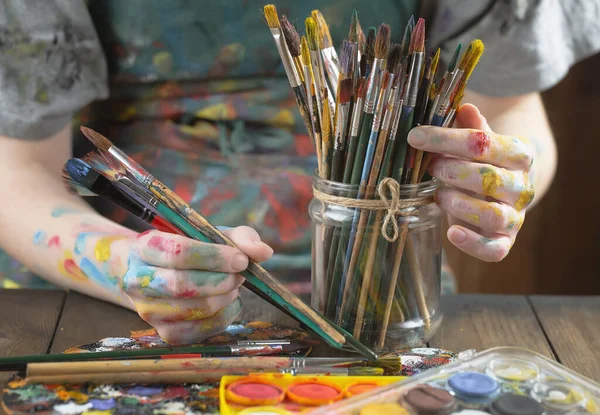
[249,242]
[492,249]
[194,331]
[158,310]
[485,179]
[486,147]
[173,251]
[491,217]
[154,282]
[468,116]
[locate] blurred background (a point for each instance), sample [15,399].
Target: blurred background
[559,244]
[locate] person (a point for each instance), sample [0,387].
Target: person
[196,94]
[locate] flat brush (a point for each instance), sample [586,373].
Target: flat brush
[353,39]
[321,87]
[257,279]
[450,71]
[292,40]
[328,52]
[80,177]
[326,138]
[288,65]
[341,130]
[370,49]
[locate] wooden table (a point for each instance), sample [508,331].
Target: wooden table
[566,329]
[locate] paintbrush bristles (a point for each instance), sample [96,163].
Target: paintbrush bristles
[347,54]
[312,35]
[96,138]
[434,63]
[474,53]
[454,60]
[304,52]
[345,90]
[395,59]
[417,40]
[324,35]
[292,39]
[271,16]
[354,34]
[370,45]
[382,41]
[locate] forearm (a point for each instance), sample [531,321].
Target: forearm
[525,118]
[55,233]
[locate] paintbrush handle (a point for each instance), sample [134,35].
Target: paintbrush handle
[361,148]
[149,378]
[157,365]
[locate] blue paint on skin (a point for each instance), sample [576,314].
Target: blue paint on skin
[58,212]
[39,237]
[95,275]
[140,275]
[80,242]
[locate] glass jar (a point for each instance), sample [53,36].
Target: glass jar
[386,293]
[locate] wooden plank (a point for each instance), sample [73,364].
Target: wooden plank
[85,320]
[27,323]
[484,321]
[572,325]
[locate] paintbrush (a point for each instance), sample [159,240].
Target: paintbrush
[369,50]
[450,70]
[288,65]
[257,279]
[195,376]
[353,39]
[328,52]
[292,40]
[321,87]
[19,363]
[382,44]
[85,181]
[312,103]
[389,363]
[339,146]
[326,139]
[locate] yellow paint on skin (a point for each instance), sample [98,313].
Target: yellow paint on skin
[9,284]
[526,195]
[491,180]
[102,249]
[73,271]
[157,309]
[145,281]
[474,218]
[196,314]
[462,172]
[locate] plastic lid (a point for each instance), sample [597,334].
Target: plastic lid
[473,385]
[511,404]
[427,400]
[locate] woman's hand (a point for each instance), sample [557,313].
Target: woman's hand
[488,188]
[188,290]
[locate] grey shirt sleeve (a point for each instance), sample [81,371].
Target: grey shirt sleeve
[530,45]
[51,65]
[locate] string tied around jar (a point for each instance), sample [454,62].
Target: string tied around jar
[389,201]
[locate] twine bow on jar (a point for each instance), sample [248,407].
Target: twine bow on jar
[393,205]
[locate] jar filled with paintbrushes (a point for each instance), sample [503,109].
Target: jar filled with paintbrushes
[377,260]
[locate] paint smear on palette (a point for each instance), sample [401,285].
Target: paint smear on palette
[111,399]
[243,330]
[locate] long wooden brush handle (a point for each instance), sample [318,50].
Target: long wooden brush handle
[190,376]
[155,365]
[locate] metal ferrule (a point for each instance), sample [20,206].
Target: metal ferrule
[387,118]
[247,350]
[286,58]
[381,103]
[332,67]
[433,108]
[446,94]
[373,86]
[413,91]
[132,167]
[146,215]
[449,118]
[341,124]
[396,118]
[355,124]
[321,82]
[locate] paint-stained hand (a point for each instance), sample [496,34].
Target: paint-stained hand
[486,174]
[189,290]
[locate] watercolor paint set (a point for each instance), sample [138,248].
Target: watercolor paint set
[284,394]
[497,381]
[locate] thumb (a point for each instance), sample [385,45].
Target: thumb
[468,116]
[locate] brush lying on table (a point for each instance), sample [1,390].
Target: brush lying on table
[134,186]
[381,91]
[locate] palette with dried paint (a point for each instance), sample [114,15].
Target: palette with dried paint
[283,394]
[498,381]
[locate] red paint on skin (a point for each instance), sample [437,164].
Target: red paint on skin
[164,245]
[54,241]
[478,142]
[141,235]
[188,294]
